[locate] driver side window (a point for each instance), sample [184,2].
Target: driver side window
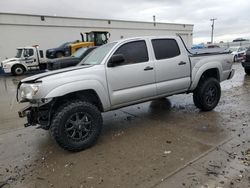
[28,52]
[134,52]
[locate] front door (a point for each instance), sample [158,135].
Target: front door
[134,80]
[29,57]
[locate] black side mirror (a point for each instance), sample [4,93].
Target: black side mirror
[116,60]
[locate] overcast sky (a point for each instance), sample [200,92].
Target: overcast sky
[233,17]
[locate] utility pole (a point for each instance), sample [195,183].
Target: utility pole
[212,34]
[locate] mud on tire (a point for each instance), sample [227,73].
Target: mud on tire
[207,94]
[77,125]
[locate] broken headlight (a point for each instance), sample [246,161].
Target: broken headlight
[28,91]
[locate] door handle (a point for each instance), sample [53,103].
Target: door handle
[148,68]
[182,63]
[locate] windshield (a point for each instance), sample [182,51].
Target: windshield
[79,52]
[19,53]
[64,44]
[90,37]
[97,55]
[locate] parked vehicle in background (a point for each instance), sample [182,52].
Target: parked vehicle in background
[237,52]
[213,46]
[26,59]
[69,102]
[93,38]
[198,46]
[240,40]
[73,60]
[246,61]
[57,52]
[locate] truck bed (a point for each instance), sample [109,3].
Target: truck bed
[208,54]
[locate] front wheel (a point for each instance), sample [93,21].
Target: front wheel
[247,71]
[77,125]
[207,94]
[17,70]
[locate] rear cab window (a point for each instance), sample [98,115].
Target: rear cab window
[165,48]
[134,52]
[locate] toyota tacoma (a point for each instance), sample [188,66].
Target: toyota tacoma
[70,102]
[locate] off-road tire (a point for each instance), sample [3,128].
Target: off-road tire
[60,122]
[17,70]
[207,94]
[247,71]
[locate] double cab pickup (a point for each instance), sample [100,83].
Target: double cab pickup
[70,102]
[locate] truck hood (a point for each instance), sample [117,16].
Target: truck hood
[37,77]
[11,60]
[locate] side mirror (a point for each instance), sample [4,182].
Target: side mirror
[116,60]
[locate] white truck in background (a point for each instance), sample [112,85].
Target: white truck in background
[26,59]
[70,101]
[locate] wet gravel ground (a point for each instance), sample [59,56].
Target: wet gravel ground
[163,143]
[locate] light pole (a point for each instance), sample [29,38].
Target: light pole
[154,20]
[212,34]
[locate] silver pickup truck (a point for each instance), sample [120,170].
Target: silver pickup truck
[70,101]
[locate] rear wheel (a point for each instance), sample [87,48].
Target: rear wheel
[247,71]
[17,70]
[77,125]
[207,94]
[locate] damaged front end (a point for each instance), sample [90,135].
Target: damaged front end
[38,112]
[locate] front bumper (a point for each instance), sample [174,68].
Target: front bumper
[30,113]
[37,115]
[6,70]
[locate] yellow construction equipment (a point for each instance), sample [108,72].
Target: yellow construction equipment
[93,38]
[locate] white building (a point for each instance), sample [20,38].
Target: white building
[17,30]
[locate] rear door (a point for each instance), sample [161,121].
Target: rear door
[171,65]
[135,79]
